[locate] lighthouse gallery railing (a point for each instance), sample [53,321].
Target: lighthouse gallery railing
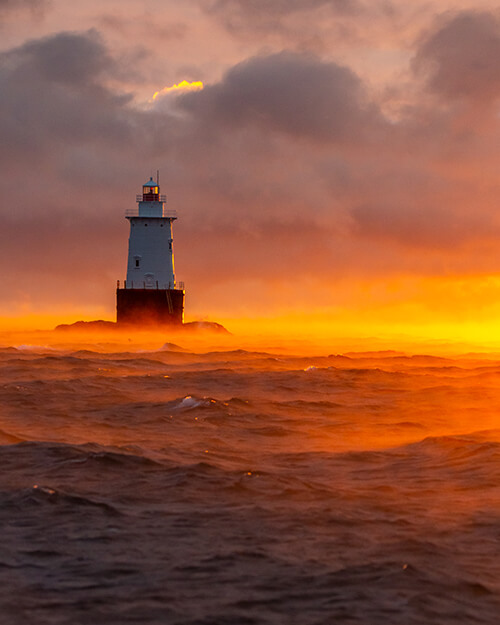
[166,212]
[179,285]
[140,198]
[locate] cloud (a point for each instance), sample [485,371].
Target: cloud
[13,10]
[460,57]
[263,9]
[299,95]
[63,58]
[327,27]
[53,94]
[303,24]
[15,5]
[148,26]
[282,169]
[263,15]
[419,222]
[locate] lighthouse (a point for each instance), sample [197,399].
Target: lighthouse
[150,294]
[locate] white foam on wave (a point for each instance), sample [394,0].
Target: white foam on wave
[192,402]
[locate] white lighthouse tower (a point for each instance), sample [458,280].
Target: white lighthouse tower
[150,293]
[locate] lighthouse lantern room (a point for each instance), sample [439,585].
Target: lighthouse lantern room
[150,294]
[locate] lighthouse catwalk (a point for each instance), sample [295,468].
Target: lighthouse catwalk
[150,294]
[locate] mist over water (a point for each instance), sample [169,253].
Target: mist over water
[231,486]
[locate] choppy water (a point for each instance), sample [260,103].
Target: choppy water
[248,488]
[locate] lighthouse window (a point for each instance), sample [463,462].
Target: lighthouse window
[145,225]
[137,262]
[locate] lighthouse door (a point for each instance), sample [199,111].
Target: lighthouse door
[149,280]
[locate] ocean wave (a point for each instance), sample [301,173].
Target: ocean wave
[188,403]
[46,495]
[235,487]
[47,455]
[9,439]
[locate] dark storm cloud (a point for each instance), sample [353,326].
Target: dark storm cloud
[62,58]
[299,95]
[52,93]
[460,58]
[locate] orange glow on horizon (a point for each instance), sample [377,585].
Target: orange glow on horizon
[446,314]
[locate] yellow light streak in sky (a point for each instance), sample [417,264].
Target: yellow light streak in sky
[184,85]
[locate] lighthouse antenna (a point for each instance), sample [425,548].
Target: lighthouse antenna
[158,177]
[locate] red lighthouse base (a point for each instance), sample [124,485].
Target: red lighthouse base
[149,306]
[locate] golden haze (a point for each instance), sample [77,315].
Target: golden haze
[457,313]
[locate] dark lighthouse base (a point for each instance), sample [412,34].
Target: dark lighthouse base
[149,306]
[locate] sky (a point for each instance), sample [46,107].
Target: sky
[340,163]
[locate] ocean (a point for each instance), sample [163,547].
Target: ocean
[239,487]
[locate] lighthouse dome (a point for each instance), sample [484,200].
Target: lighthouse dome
[150,183]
